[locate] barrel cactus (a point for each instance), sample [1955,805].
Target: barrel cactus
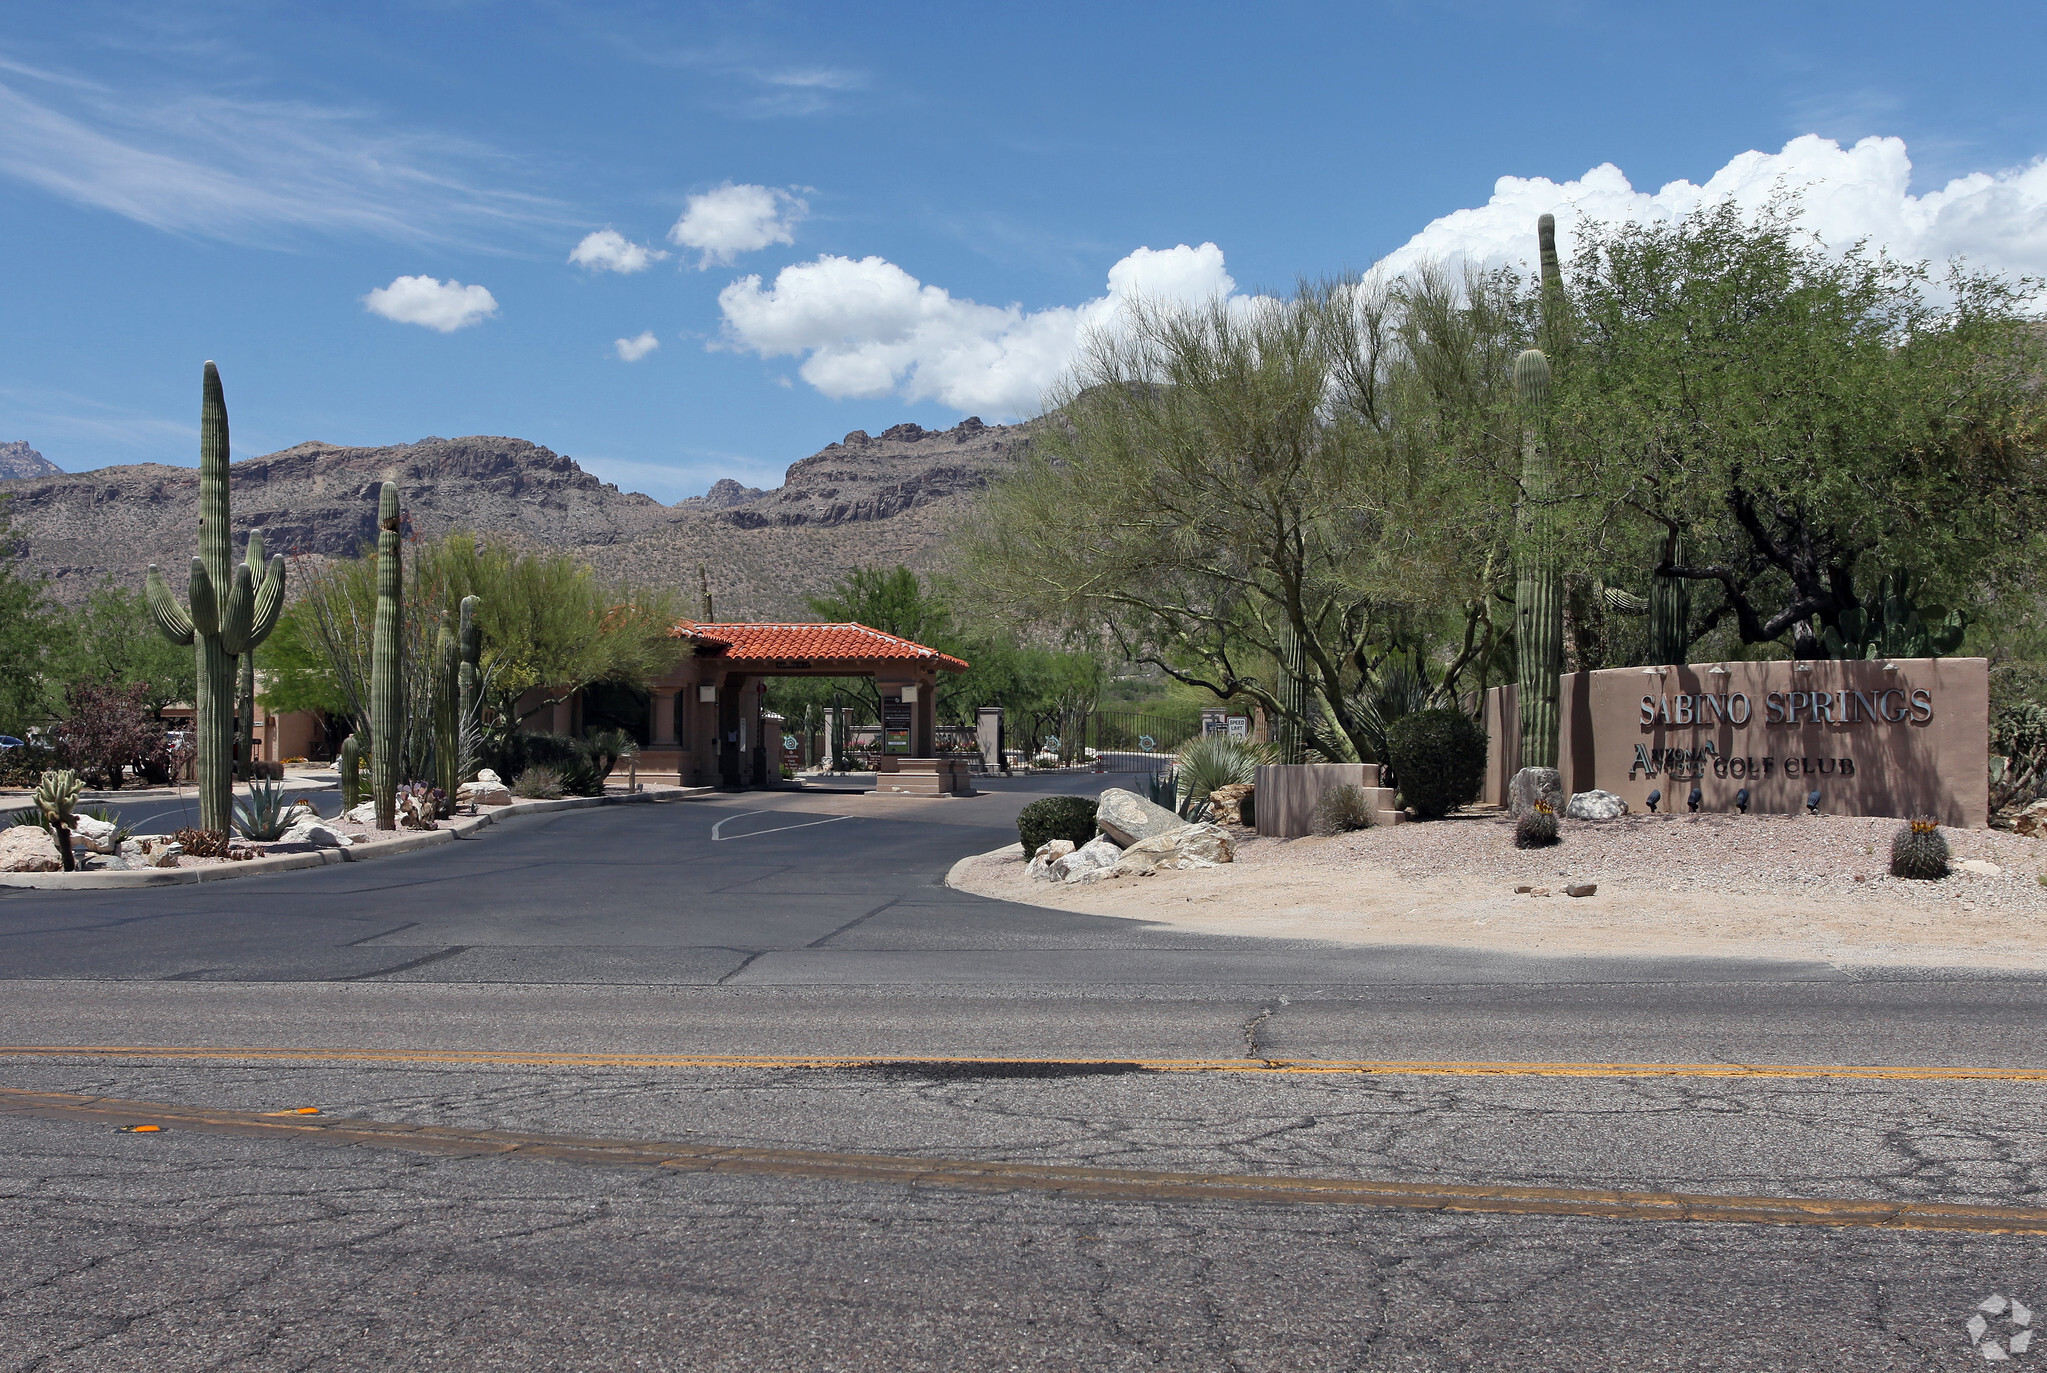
[387,697]
[1920,851]
[230,613]
[1538,586]
[1537,827]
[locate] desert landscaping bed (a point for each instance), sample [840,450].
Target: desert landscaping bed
[1764,886]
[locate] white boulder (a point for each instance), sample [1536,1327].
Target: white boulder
[1042,860]
[95,835]
[1190,846]
[311,829]
[1097,855]
[1130,819]
[28,848]
[487,790]
[364,814]
[1596,805]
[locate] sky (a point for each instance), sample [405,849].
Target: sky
[683,242]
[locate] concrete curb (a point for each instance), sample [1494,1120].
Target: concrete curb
[461,827]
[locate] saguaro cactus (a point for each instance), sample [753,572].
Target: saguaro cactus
[1555,309]
[468,689]
[1289,735]
[1538,586]
[230,614]
[1670,612]
[245,705]
[351,773]
[387,698]
[447,709]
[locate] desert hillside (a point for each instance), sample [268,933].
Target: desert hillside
[886,498]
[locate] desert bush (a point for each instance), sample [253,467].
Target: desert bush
[205,843]
[1439,756]
[1537,827]
[1919,851]
[1218,761]
[1343,809]
[1055,817]
[579,769]
[24,766]
[540,782]
[106,730]
[2018,746]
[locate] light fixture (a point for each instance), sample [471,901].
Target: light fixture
[909,697]
[1802,665]
[1890,667]
[1717,670]
[1654,671]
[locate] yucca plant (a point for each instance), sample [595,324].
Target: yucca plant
[1537,827]
[1216,761]
[265,816]
[1920,851]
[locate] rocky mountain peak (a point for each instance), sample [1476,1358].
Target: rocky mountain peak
[17,459]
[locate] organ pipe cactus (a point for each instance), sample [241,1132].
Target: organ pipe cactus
[469,688]
[387,700]
[230,612]
[1538,587]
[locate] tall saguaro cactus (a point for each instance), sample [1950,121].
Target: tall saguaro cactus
[1288,733]
[229,615]
[387,699]
[1670,611]
[1538,586]
[1555,326]
[469,687]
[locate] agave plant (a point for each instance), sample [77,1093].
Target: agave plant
[265,816]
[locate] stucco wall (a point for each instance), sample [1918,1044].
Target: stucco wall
[1904,739]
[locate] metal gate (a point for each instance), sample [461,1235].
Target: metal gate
[1125,741]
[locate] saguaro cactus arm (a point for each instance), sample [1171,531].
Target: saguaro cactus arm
[171,620]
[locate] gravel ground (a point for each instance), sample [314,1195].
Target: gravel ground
[1810,887]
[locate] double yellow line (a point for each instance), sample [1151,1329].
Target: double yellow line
[1024,1066]
[157,1120]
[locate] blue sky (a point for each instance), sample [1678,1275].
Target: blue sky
[868,214]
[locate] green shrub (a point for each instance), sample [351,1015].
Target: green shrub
[25,766]
[1343,809]
[578,766]
[539,782]
[1055,817]
[1439,757]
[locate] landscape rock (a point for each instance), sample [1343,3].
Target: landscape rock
[364,814]
[1048,852]
[484,793]
[1190,846]
[1535,784]
[28,848]
[317,832]
[1128,818]
[2032,821]
[1582,889]
[94,835]
[1226,804]
[1097,855]
[1981,867]
[1596,805]
[152,851]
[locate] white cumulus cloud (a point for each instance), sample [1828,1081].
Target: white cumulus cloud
[443,305]
[633,349]
[730,220]
[1997,220]
[608,250]
[868,328]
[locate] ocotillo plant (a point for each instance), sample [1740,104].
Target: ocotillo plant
[1538,587]
[469,688]
[231,613]
[351,773]
[387,698]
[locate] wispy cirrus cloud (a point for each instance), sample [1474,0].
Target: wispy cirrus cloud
[249,171]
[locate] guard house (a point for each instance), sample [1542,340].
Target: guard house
[704,718]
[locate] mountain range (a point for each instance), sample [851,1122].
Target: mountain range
[865,500]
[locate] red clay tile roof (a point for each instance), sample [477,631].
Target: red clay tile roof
[819,643]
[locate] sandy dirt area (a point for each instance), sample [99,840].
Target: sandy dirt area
[1798,887]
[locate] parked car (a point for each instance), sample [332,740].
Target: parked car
[8,741]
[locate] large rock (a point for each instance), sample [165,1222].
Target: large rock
[28,848]
[487,790]
[1535,784]
[1097,856]
[1226,805]
[96,836]
[2032,820]
[1048,853]
[1596,805]
[311,829]
[1129,819]
[1190,846]
[364,814]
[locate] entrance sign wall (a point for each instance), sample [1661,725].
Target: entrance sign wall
[1906,737]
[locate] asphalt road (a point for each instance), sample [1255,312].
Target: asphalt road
[763,925]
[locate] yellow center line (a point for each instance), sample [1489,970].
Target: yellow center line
[1371,1067]
[156,1119]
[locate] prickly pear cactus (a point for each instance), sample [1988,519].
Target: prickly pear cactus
[229,614]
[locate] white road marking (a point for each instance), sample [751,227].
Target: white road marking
[722,838]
